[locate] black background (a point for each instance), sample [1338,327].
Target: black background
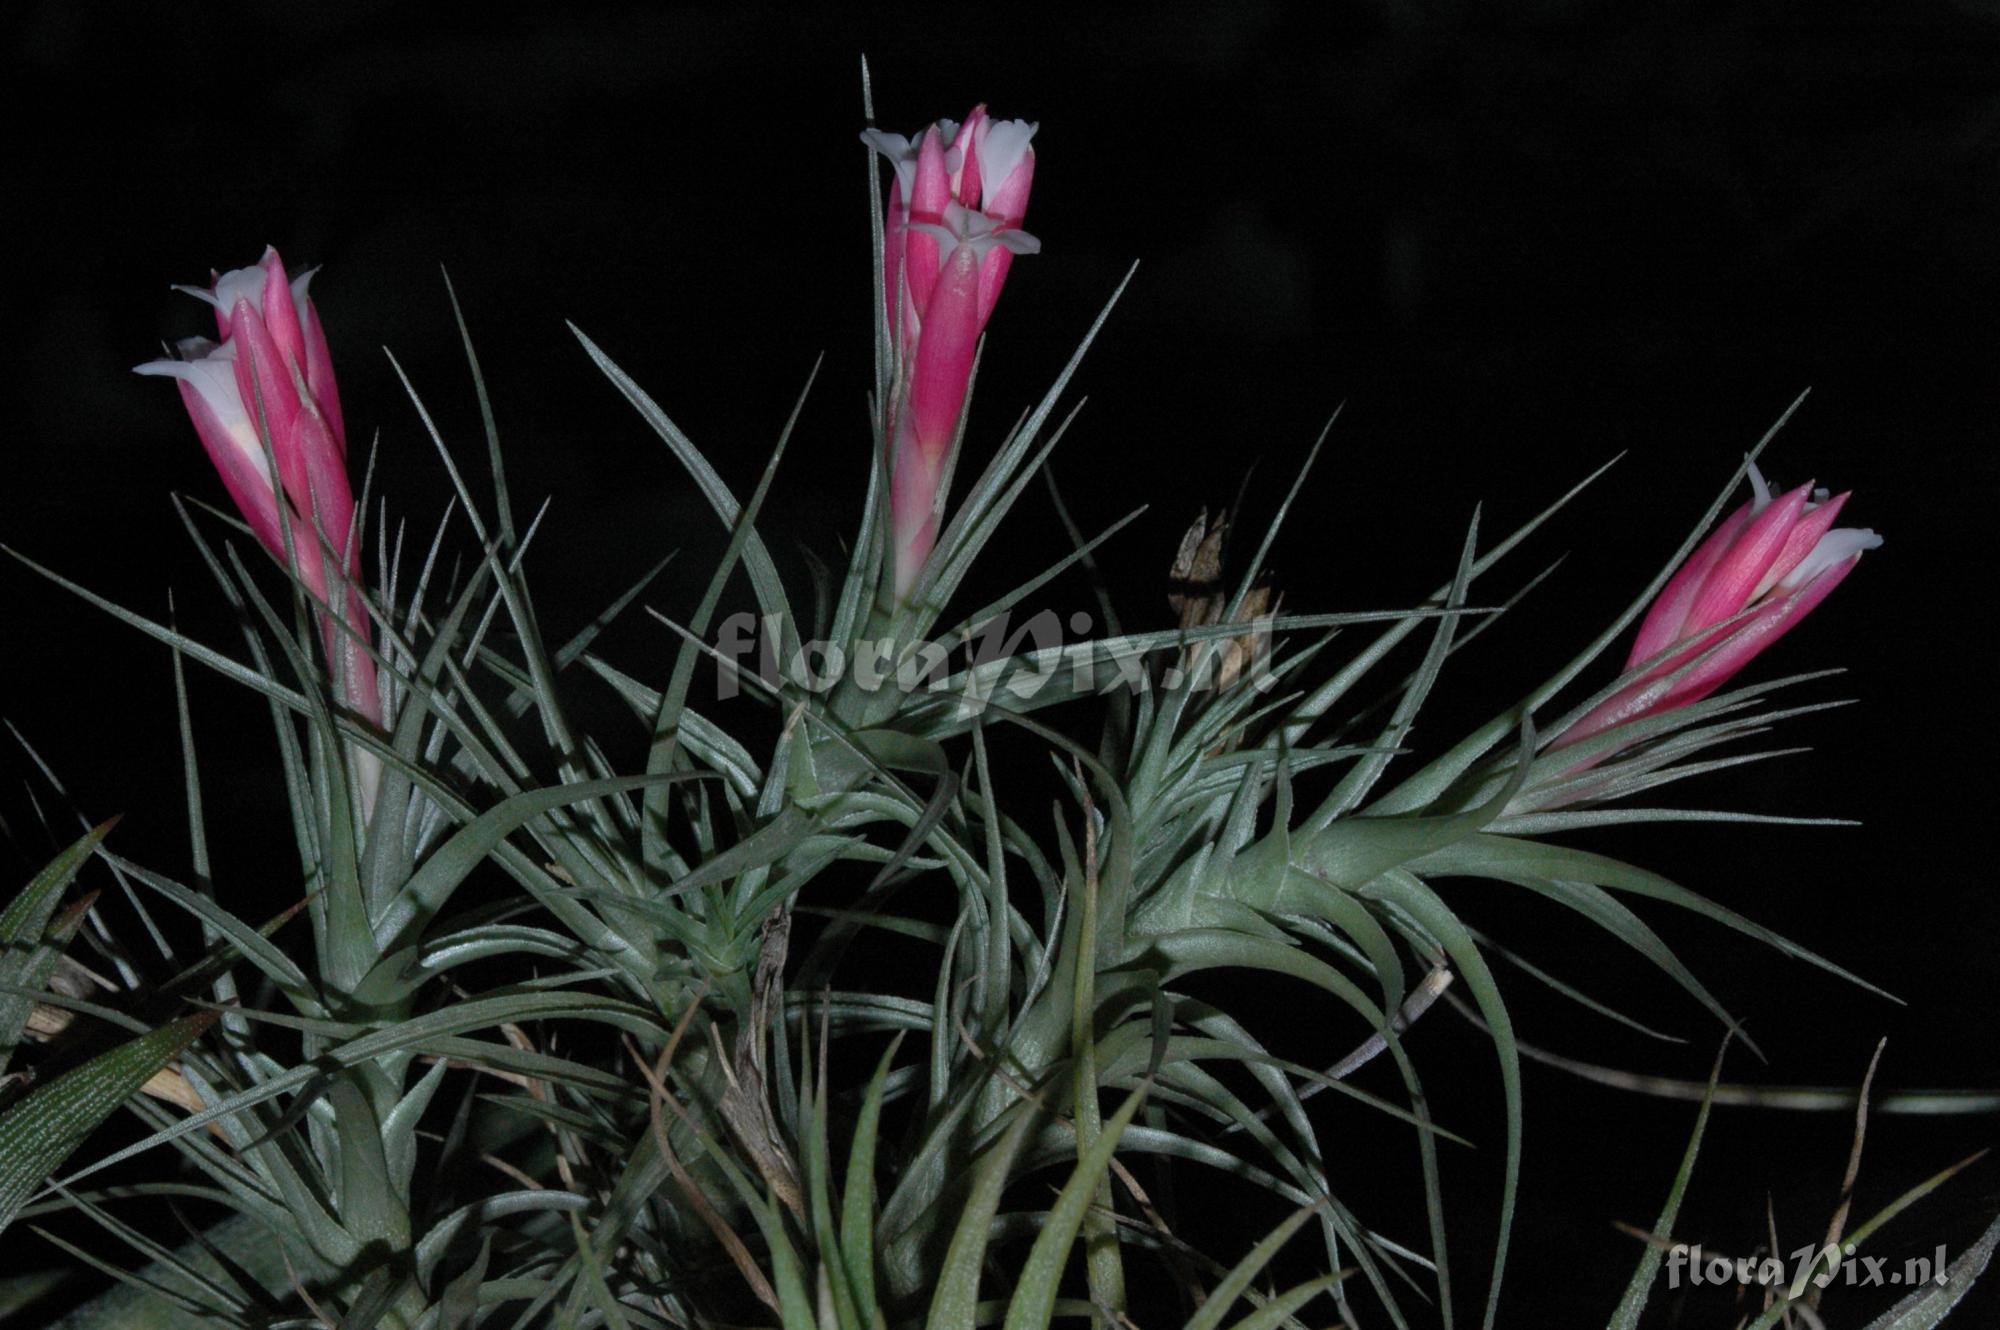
[1515,239]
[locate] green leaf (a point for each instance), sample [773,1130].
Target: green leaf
[1035,1292]
[1858,1237]
[992,610]
[1354,787]
[857,1202]
[594,1283]
[1224,1295]
[417,1035]
[19,1292]
[1435,917]
[1105,1270]
[251,943]
[1279,1310]
[1610,914]
[513,593]
[1353,851]
[836,1289]
[431,886]
[460,1301]
[955,1303]
[198,1269]
[1928,1306]
[145,1304]
[40,1131]
[24,926]
[1626,1317]
[1487,855]
[399,1131]
[667,721]
[756,557]
[502,510]
[215,660]
[1317,703]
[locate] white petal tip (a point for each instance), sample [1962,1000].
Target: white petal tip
[1838,546]
[1760,489]
[889,145]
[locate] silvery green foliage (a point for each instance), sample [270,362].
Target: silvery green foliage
[634,1077]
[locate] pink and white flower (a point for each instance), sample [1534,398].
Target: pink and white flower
[271,369]
[1756,576]
[950,233]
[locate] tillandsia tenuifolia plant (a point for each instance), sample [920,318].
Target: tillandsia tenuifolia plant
[634,1073]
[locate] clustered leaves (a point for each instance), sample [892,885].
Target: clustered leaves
[559,1041]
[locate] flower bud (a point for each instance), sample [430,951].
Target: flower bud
[271,377]
[1756,576]
[952,228]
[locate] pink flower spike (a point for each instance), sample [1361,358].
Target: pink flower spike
[929,195]
[1778,616]
[1719,657]
[914,502]
[1804,538]
[270,393]
[272,376]
[992,276]
[1766,567]
[1735,576]
[944,356]
[319,362]
[325,503]
[280,310]
[950,233]
[1662,625]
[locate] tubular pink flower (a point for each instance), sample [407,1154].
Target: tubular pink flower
[1760,572]
[1007,171]
[937,380]
[956,204]
[272,367]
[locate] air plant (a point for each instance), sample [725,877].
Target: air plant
[565,1041]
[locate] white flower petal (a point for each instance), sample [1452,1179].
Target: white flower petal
[902,155]
[299,285]
[889,145]
[947,237]
[213,377]
[963,226]
[200,293]
[1836,546]
[239,284]
[1018,242]
[1760,490]
[1002,145]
